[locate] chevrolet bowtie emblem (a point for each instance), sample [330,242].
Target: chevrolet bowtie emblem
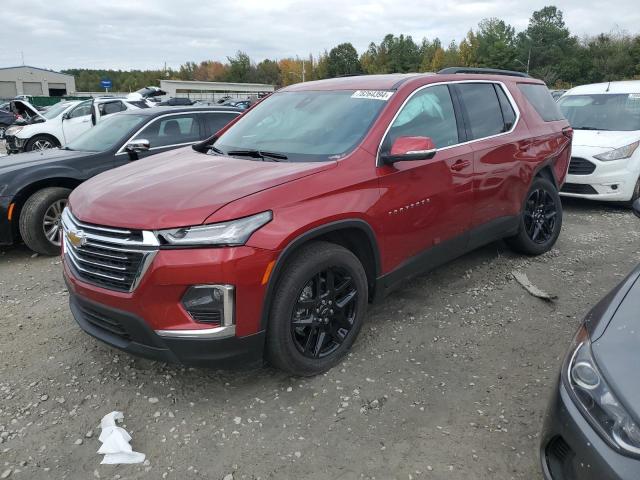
[76,238]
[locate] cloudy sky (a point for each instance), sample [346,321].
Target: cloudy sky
[144,34]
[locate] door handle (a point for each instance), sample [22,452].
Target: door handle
[460,164]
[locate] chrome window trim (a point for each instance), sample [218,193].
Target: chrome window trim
[122,149]
[512,101]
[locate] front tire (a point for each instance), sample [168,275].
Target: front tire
[39,143]
[540,220]
[40,220]
[318,309]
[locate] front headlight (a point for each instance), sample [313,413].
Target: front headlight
[595,399]
[618,153]
[232,233]
[13,130]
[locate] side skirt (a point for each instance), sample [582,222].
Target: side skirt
[445,252]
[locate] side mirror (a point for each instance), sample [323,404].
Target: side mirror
[636,207]
[140,145]
[409,149]
[66,116]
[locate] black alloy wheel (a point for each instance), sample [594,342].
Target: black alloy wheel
[318,307]
[540,216]
[324,313]
[540,220]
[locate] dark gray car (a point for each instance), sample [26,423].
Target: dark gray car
[34,186]
[592,427]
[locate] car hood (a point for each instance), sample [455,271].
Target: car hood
[11,163]
[178,188]
[603,138]
[617,350]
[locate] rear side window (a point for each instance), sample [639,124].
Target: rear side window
[482,106]
[507,109]
[173,130]
[111,107]
[215,121]
[541,99]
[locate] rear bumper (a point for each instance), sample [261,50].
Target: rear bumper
[570,449]
[130,333]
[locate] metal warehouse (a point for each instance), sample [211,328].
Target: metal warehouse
[26,80]
[212,90]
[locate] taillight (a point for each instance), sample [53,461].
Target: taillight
[568,132]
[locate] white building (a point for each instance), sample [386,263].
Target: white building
[212,90]
[34,81]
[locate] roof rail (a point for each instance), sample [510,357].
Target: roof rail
[486,71]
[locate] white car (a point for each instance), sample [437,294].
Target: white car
[605,157]
[63,122]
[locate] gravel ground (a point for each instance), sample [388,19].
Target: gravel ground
[3,149]
[449,378]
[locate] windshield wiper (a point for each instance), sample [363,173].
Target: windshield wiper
[590,128]
[261,154]
[216,150]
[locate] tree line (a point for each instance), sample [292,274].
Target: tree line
[546,49]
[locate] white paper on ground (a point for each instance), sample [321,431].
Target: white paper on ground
[115,442]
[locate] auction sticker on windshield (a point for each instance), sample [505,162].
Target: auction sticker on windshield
[373,94]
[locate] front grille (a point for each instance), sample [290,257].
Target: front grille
[111,258]
[581,166]
[580,188]
[109,324]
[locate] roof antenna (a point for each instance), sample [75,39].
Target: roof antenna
[608,87]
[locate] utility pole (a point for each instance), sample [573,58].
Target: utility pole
[303,71]
[529,61]
[22,55]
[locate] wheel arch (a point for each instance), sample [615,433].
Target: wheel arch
[546,171]
[355,235]
[43,134]
[25,192]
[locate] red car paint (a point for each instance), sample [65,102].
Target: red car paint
[409,206]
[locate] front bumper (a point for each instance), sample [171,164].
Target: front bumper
[131,334]
[611,181]
[571,450]
[151,321]
[14,144]
[6,227]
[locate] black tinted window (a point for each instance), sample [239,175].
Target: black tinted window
[111,107]
[483,109]
[173,130]
[215,121]
[541,99]
[507,110]
[429,113]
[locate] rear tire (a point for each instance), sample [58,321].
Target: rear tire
[540,220]
[318,309]
[40,143]
[40,222]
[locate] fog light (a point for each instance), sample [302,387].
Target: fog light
[614,187]
[211,304]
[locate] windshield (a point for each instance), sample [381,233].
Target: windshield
[619,112]
[106,134]
[55,110]
[305,126]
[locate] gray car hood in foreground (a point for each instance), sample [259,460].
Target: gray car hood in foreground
[617,350]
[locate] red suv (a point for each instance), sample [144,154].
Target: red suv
[269,239]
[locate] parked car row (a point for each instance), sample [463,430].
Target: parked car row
[36,185]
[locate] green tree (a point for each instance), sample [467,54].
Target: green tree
[496,46]
[343,60]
